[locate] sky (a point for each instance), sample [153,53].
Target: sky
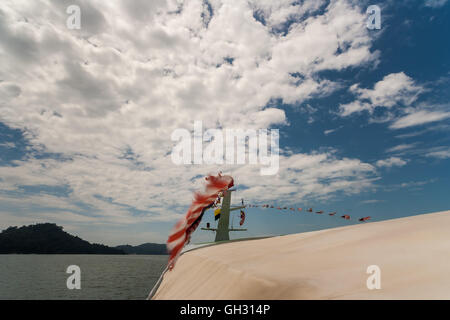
[86,115]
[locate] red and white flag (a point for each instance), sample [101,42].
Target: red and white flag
[181,233]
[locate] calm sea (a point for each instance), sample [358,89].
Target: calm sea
[102,276]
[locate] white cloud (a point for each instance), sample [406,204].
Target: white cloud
[410,185]
[138,70]
[327,132]
[418,118]
[440,153]
[396,89]
[8,144]
[306,176]
[435,3]
[352,107]
[371,201]
[391,162]
[401,147]
[275,13]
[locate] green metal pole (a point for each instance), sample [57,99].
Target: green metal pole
[222,233]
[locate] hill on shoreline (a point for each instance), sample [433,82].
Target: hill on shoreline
[48,238]
[145,248]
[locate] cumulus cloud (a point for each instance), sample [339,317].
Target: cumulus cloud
[107,97]
[391,162]
[393,90]
[309,176]
[396,95]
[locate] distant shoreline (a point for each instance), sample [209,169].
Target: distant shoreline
[49,238]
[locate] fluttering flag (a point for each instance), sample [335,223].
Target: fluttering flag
[242,218]
[217,214]
[181,233]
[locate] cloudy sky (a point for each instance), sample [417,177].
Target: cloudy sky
[86,116]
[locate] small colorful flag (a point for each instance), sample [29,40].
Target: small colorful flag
[242,218]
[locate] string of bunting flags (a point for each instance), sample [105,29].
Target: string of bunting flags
[267,206]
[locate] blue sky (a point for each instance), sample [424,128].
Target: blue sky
[86,115]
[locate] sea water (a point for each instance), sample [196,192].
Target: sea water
[101,277]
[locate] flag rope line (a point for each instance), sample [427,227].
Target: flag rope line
[267,206]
